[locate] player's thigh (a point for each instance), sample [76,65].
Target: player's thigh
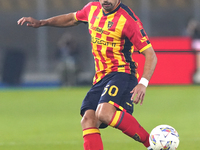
[117,91]
[91,99]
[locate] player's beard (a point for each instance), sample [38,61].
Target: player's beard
[107,6]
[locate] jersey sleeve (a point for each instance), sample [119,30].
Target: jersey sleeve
[137,35]
[82,15]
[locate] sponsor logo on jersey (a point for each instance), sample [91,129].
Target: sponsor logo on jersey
[99,41]
[99,30]
[96,17]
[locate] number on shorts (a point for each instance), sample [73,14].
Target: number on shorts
[112,90]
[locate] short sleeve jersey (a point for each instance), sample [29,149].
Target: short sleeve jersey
[113,38]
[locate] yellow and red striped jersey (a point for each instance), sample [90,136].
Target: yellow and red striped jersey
[113,36]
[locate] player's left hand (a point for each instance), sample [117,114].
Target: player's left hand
[138,94]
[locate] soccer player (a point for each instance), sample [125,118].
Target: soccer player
[115,30]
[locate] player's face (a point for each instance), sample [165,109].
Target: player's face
[108,5]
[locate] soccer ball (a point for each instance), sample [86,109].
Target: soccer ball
[164,137]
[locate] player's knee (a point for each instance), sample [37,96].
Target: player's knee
[105,112]
[83,121]
[104,116]
[88,121]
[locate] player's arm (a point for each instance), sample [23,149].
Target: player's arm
[65,20]
[149,67]
[150,63]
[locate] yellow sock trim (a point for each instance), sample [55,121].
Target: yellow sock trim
[90,131]
[115,119]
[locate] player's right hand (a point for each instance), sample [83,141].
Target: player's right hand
[138,94]
[31,22]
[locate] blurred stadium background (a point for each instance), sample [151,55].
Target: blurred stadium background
[34,52]
[48,118]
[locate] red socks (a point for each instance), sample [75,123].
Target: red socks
[92,139]
[129,125]
[122,121]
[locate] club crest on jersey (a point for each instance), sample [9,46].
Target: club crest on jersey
[110,24]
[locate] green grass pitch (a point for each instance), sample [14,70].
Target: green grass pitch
[48,119]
